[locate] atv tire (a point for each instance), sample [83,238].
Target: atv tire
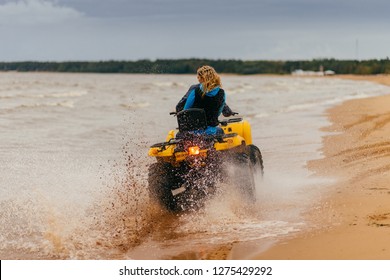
[256,159]
[160,181]
[244,176]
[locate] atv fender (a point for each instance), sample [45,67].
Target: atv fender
[241,128]
[171,135]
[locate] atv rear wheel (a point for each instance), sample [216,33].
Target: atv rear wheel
[243,177]
[256,159]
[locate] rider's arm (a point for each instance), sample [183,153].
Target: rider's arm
[226,111]
[182,102]
[221,108]
[190,100]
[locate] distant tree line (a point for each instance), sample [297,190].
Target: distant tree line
[184,66]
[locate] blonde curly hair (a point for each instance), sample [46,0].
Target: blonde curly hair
[210,78]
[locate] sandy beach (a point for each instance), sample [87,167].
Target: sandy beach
[355,212]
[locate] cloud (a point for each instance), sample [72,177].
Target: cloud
[245,29]
[35,12]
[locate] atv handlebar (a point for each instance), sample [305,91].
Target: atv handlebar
[175,113]
[227,121]
[224,122]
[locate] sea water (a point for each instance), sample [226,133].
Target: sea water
[73,156]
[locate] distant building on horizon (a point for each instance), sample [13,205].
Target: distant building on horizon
[300,72]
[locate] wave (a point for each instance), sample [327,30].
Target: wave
[323,103]
[45,95]
[67,94]
[135,105]
[168,84]
[65,104]
[6,96]
[241,88]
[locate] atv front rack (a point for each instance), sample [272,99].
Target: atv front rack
[227,121]
[163,145]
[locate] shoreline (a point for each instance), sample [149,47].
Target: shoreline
[355,211]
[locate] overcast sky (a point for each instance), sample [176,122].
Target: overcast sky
[61,30]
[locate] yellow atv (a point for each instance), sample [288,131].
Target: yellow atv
[190,163]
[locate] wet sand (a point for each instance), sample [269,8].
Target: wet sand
[354,214]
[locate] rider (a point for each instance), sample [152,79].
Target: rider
[226,111]
[207,95]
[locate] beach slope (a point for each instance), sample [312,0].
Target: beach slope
[355,212]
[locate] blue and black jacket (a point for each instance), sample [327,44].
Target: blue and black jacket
[212,102]
[226,111]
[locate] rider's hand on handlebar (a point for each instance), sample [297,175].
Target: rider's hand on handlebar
[229,114]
